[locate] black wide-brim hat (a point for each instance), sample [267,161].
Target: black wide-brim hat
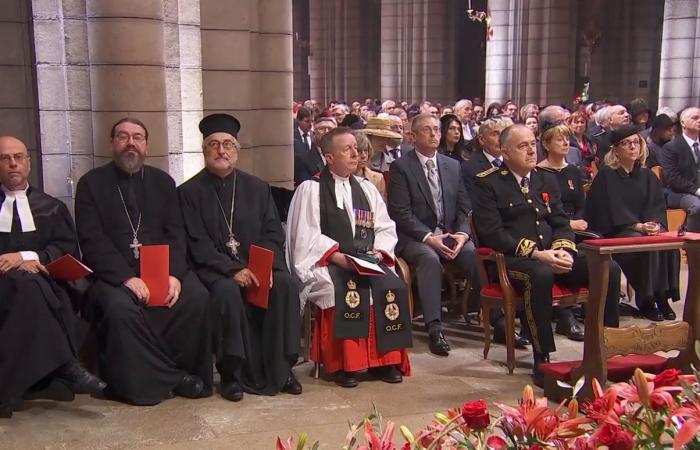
[622,133]
[219,123]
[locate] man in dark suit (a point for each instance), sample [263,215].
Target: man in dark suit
[428,202]
[302,127]
[681,164]
[308,163]
[518,212]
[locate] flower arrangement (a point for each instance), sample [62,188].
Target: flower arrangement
[648,412]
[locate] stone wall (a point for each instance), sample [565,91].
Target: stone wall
[532,54]
[166,62]
[18,108]
[679,84]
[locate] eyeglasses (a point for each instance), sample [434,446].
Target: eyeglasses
[17,157]
[629,144]
[124,137]
[216,145]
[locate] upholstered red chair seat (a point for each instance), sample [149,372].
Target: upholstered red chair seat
[493,290]
[620,368]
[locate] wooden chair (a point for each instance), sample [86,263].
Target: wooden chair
[504,296]
[674,216]
[403,271]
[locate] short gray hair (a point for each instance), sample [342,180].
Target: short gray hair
[462,104]
[420,118]
[548,113]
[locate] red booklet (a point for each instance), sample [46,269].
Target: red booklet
[260,263]
[365,267]
[67,268]
[155,272]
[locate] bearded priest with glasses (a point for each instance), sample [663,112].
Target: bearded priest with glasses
[226,211]
[146,353]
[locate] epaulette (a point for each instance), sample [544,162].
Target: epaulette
[487,172]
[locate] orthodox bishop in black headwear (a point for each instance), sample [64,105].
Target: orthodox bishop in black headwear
[226,211]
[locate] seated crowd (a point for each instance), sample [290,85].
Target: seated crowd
[374,183]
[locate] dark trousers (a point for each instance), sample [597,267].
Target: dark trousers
[535,281]
[427,267]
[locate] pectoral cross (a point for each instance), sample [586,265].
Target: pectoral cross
[233,244]
[135,244]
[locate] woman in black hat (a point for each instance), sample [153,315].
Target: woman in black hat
[626,200]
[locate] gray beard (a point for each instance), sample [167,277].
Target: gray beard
[130,164]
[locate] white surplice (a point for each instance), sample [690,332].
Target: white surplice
[307,246]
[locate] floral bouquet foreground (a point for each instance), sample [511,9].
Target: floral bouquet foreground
[649,412]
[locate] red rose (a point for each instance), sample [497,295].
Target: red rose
[496,443]
[545,197]
[615,438]
[476,414]
[668,377]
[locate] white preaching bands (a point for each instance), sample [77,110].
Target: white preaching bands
[26,219]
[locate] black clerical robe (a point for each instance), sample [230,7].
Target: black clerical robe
[144,352]
[37,322]
[255,347]
[618,200]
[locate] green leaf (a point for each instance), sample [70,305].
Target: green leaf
[302,441]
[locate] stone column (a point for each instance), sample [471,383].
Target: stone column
[531,57]
[679,84]
[127,72]
[18,108]
[344,58]
[247,71]
[417,51]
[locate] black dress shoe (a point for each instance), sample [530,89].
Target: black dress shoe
[346,379]
[665,309]
[537,374]
[190,386]
[569,327]
[232,391]
[499,336]
[79,380]
[292,386]
[388,374]
[438,345]
[652,313]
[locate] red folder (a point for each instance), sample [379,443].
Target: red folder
[67,268]
[260,263]
[155,272]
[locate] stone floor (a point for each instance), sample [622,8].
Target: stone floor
[323,410]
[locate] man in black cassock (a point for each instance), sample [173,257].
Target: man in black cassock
[147,353]
[37,323]
[225,211]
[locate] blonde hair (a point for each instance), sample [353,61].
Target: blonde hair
[558,130]
[611,159]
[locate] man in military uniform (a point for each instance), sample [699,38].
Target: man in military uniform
[518,212]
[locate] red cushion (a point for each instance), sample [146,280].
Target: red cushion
[485,251]
[619,367]
[494,290]
[637,240]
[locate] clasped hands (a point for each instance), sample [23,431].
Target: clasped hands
[10,261]
[436,241]
[560,261]
[648,228]
[140,290]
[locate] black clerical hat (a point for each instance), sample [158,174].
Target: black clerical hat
[621,133]
[219,123]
